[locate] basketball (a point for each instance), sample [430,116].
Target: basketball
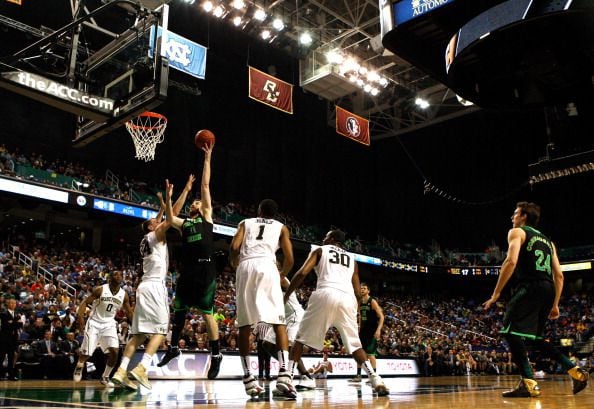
[203,138]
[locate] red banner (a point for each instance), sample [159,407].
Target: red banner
[352,126]
[271,91]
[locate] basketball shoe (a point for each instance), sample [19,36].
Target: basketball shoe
[139,373]
[284,383]
[78,372]
[121,378]
[378,385]
[251,386]
[526,388]
[215,366]
[579,379]
[172,353]
[306,383]
[105,381]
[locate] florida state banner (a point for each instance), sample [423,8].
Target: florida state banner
[352,126]
[271,91]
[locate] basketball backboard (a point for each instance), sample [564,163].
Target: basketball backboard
[96,66]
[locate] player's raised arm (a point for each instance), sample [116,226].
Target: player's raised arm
[181,200]
[206,201]
[171,219]
[159,216]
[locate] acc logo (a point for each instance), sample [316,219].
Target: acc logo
[178,52]
[352,126]
[271,92]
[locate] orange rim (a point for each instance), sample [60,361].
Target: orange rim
[150,115]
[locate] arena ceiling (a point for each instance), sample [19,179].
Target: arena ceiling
[351,27]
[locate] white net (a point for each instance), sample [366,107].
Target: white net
[147,130]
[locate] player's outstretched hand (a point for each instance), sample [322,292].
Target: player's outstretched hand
[168,189]
[190,182]
[207,148]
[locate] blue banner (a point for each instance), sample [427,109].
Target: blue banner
[406,10]
[184,55]
[123,209]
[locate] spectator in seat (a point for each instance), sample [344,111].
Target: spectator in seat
[47,352]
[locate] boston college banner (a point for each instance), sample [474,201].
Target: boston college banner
[271,91]
[352,126]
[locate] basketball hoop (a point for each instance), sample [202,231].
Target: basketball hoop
[147,130]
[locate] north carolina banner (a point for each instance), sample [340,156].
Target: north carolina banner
[184,55]
[271,91]
[352,126]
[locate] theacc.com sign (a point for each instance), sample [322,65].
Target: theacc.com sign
[55,89]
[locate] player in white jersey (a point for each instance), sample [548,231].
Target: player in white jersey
[333,304]
[151,315]
[258,288]
[101,328]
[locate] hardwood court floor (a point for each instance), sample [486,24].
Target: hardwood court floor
[476,392]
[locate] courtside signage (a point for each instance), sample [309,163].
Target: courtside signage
[224,230]
[406,10]
[33,191]
[123,209]
[183,55]
[194,365]
[55,89]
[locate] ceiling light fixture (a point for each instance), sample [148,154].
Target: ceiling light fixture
[278,24]
[260,14]
[305,38]
[422,103]
[265,34]
[238,4]
[207,6]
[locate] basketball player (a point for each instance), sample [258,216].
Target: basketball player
[532,257]
[334,303]
[196,284]
[258,286]
[151,315]
[293,315]
[371,321]
[101,328]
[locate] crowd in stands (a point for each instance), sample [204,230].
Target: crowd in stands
[445,335]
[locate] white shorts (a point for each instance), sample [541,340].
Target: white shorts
[151,315]
[259,294]
[328,307]
[293,319]
[99,335]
